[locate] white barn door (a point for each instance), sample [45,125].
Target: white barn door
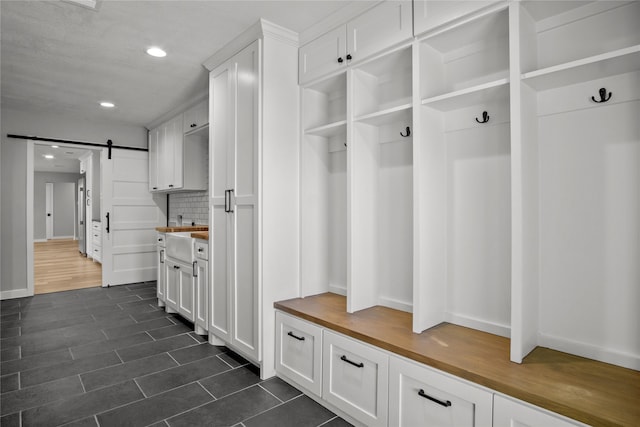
[129,215]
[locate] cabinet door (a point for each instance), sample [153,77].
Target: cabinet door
[186,291]
[299,352]
[428,14]
[221,84]
[154,135]
[176,142]
[201,305]
[322,56]
[419,395]
[379,28]
[243,201]
[508,412]
[161,282]
[355,378]
[172,277]
[196,116]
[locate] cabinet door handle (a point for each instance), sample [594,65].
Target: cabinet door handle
[195,268]
[357,365]
[349,58]
[446,403]
[227,201]
[170,185]
[162,256]
[176,267]
[340,60]
[291,334]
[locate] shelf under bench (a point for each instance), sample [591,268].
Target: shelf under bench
[586,390]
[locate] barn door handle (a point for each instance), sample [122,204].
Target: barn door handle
[107,228]
[446,403]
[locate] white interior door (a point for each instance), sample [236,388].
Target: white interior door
[129,215]
[49,209]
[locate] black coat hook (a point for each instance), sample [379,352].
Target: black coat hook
[485,118]
[407,131]
[603,96]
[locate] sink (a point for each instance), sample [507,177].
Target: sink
[179,246]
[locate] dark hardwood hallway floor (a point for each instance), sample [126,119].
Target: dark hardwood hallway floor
[111,357]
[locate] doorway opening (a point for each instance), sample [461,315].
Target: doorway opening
[66,204]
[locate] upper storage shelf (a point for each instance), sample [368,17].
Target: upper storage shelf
[609,42]
[472,53]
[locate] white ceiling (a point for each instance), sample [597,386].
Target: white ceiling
[66,158]
[57,56]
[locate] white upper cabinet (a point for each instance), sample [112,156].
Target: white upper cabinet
[323,55]
[178,162]
[196,117]
[428,14]
[385,25]
[153,158]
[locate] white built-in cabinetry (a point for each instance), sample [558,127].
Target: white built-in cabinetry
[374,387]
[254,189]
[201,284]
[161,281]
[468,176]
[96,240]
[382,26]
[508,412]
[178,152]
[180,287]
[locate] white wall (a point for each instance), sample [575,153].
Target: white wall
[13,155]
[39,203]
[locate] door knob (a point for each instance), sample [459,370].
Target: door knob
[48,214]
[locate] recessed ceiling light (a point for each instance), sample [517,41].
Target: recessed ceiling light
[107,104]
[157,52]
[48,156]
[55,146]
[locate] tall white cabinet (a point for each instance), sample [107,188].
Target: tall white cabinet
[254,214]
[483,172]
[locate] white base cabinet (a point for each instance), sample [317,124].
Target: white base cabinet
[201,284]
[180,288]
[508,412]
[299,352]
[419,395]
[355,378]
[161,281]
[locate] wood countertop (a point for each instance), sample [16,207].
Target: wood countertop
[176,229]
[204,235]
[586,390]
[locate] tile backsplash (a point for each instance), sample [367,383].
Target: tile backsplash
[193,206]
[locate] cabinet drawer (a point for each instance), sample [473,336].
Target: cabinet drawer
[511,412]
[96,238]
[201,249]
[355,378]
[299,352]
[97,253]
[419,395]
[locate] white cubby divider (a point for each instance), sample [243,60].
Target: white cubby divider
[524,226]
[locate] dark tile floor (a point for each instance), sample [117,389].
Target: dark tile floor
[111,357]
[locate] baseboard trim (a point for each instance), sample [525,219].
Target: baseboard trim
[15,293]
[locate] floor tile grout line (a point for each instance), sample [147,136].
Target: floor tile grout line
[328,421]
[260,385]
[84,389]
[267,410]
[140,388]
